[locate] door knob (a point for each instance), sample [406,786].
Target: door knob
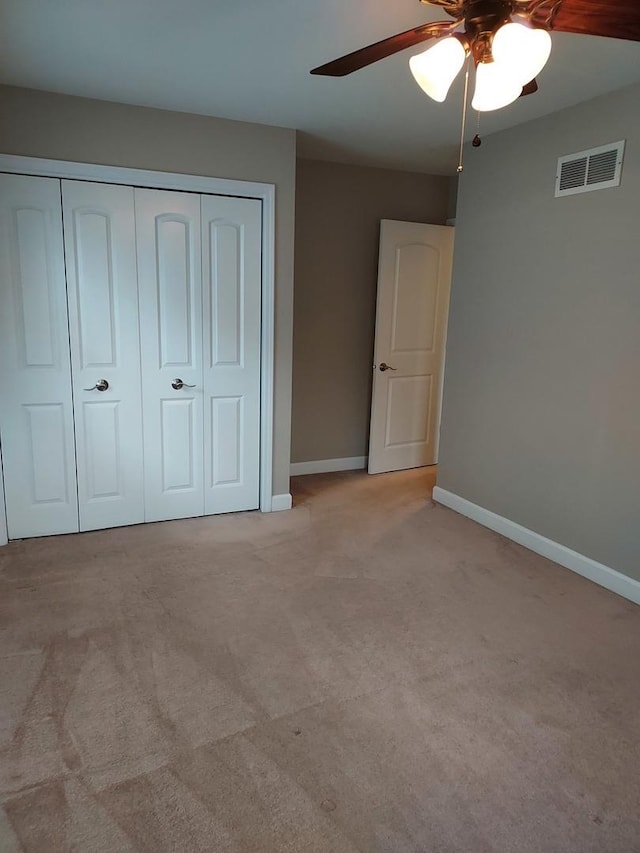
[384,367]
[101,385]
[177,384]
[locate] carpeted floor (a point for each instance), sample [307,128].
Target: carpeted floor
[368,672]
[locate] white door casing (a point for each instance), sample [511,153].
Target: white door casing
[170,300]
[231,259]
[414,279]
[4,533]
[100,252]
[36,417]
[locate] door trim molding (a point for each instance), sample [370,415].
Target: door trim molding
[4,536]
[597,572]
[266,193]
[281,502]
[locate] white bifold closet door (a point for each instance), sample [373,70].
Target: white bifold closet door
[170,297]
[99,237]
[129,382]
[36,418]
[199,273]
[231,281]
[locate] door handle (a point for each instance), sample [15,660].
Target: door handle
[177,384]
[101,385]
[384,367]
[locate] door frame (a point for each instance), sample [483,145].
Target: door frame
[4,534]
[265,193]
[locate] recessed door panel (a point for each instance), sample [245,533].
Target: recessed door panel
[227,430]
[231,233]
[174,248]
[408,411]
[99,233]
[37,323]
[415,295]
[102,440]
[227,292]
[48,472]
[94,250]
[36,417]
[178,433]
[170,298]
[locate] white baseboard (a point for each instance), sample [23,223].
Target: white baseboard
[585,566]
[325,466]
[280,502]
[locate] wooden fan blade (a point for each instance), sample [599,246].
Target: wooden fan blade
[529,88]
[381,49]
[617,20]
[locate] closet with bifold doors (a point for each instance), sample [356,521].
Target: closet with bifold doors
[130,354]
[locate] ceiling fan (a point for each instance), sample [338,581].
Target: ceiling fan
[508,41]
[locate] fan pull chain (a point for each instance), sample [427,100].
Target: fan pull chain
[477,140]
[464,118]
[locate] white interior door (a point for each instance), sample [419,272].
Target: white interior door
[99,234]
[36,418]
[414,278]
[231,257]
[170,299]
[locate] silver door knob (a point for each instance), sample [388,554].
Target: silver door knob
[101,385]
[177,384]
[384,367]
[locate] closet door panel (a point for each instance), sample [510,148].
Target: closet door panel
[170,295]
[99,231]
[36,418]
[180,431]
[232,263]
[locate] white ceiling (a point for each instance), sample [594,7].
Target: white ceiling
[250,61]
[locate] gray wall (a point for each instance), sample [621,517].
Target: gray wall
[338,213]
[60,127]
[541,418]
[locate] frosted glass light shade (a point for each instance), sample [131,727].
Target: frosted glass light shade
[522,51]
[436,68]
[496,87]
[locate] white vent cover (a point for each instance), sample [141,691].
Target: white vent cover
[585,171]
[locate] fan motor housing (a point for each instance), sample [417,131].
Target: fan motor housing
[485,16]
[482,19]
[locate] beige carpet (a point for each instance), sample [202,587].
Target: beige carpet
[368,672]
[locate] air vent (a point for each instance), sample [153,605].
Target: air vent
[585,171]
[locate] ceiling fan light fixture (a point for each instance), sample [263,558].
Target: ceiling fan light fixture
[435,69]
[521,50]
[496,87]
